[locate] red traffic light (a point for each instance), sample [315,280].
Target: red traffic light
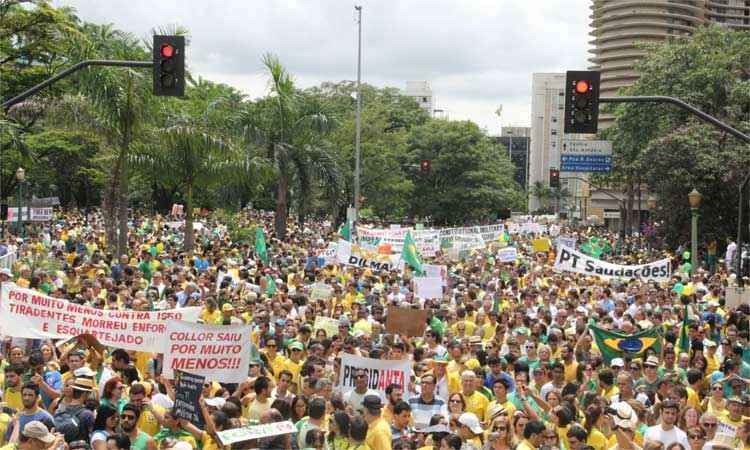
[582,86]
[167,50]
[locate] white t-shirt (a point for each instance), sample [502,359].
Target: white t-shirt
[355,400]
[657,433]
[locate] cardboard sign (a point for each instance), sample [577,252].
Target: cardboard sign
[186,399]
[234,435]
[30,314]
[406,321]
[330,326]
[570,260]
[218,352]
[380,373]
[436,271]
[736,296]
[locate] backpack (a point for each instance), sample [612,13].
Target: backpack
[68,423]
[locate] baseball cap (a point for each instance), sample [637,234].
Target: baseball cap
[470,421]
[37,430]
[617,362]
[372,402]
[296,345]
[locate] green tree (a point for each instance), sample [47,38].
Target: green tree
[289,127]
[671,150]
[471,177]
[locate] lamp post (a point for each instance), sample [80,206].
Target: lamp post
[20,177]
[694,198]
[651,204]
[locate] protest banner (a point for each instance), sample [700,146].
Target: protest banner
[570,260]
[248,433]
[354,255]
[25,313]
[327,324]
[566,241]
[38,214]
[188,389]
[380,373]
[320,291]
[217,352]
[428,287]
[406,321]
[427,241]
[507,254]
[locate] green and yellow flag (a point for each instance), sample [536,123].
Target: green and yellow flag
[409,254]
[618,345]
[260,245]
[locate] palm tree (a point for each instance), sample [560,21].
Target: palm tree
[289,127]
[542,193]
[189,155]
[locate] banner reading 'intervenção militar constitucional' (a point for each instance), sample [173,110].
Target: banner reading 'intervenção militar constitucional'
[30,314]
[570,260]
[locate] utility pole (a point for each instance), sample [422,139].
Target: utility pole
[358,133]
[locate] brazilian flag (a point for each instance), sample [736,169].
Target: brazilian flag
[618,345]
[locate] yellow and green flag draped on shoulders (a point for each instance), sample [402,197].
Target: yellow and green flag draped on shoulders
[619,345]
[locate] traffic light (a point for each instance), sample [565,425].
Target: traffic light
[169,65]
[581,101]
[424,166]
[554,178]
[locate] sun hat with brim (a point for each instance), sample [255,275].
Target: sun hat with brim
[470,421]
[625,416]
[227,307]
[440,359]
[83,384]
[37,430]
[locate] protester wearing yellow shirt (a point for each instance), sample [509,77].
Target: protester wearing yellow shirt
[148,422]
[476,403]
[378,430]
[294,364]
[276,362]
[211,314]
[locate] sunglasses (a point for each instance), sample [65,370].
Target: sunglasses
[455,401]
[500,429]
[709,425]
[695,436]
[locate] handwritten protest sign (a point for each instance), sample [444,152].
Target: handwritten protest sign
[507,254]
[30,314]
[218,352]
[380,373]
[330,326]
[234,435]
[406,321]
[321,291]
[541,245]
[187,394]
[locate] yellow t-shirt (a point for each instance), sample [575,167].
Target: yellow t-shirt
[4,422]
[570,371]
[211,318]
[295,369]
[477,403]
[597,440]
[148,423]
[379,435]
[277,365]
[208,442]
[13,399]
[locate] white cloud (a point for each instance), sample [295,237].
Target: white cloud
[477,54]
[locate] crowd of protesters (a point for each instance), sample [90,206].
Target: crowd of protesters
[507,360]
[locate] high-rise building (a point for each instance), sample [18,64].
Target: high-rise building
[547,110]
[421,91]
[517,140]
[618,26]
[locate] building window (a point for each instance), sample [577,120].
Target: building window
[424,99]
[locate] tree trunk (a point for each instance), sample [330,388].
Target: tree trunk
[189,232]
[281,205]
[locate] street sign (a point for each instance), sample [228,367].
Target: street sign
[586,156]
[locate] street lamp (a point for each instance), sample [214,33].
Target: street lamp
[20,177]
[694,198]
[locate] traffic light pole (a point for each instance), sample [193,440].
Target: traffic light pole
[718,124]
[70,70]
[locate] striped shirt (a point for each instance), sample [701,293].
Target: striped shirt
[422,410]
